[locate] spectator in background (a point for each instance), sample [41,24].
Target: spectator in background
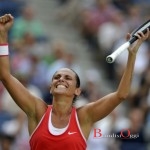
[91,90]
[136,117]
[68,11]
[27,58]
[139,97]
[107,31]
[56,51]
[13,131]
[134,17]
[92,18]
[123,4]
[106,40]
[62,2]
[27,23]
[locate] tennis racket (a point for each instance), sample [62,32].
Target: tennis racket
[143,28]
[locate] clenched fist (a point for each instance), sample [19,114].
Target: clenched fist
[6,23]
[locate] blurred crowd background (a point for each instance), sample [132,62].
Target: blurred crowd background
[78,34]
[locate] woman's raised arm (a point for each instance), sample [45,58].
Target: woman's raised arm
[24,99]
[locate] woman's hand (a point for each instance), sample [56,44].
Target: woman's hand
[6,23]
[135,46]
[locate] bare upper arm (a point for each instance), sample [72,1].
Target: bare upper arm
[33,106]
[95,111]
[23,98]
[99,109]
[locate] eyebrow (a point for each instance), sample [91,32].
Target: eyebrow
[59,74]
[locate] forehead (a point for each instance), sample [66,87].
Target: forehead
[65,71]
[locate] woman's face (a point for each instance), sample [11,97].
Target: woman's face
[64,83]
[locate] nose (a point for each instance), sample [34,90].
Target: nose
[61,79]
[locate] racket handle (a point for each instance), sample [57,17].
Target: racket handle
[111,58]
[134,38]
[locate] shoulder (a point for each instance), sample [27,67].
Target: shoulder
[82,113]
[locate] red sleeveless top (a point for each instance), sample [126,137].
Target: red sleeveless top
[71,139]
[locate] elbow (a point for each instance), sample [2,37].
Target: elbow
[122,96]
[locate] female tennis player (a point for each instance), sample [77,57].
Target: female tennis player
[60,125]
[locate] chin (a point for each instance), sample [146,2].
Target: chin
[58,92]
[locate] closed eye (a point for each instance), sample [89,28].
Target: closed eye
[68,77]
[56,77]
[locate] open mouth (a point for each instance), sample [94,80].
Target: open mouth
[61,86]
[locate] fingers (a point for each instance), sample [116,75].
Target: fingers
[142,36]
[6,18]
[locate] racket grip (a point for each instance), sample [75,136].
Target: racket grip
[111,58]
[134,37]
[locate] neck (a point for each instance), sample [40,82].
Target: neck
[62,107]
